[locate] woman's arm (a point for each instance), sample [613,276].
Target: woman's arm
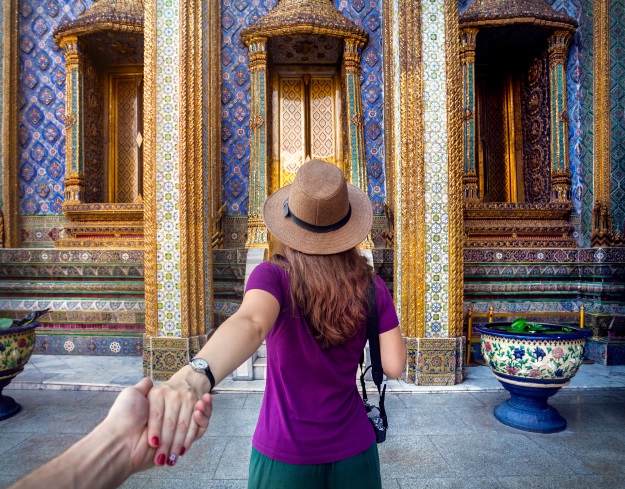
[170,426]
[393,353]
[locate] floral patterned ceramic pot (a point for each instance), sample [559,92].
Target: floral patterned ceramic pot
[532,366]
[16,347]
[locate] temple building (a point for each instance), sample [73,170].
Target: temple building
[140,140]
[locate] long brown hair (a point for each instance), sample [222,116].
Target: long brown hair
[329,290]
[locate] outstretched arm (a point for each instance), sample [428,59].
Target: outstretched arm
[393,353]
[170,426]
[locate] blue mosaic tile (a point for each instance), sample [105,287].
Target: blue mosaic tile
[617,114]
[236,102]
[42,105]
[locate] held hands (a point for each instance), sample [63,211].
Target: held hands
[179,413]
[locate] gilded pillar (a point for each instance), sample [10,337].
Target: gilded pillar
[355,121]
[558,45]
[74,130]
[602,225]
[9,81]
[257,236]
[175,261]
[355,118]
[428,191]
[468,38]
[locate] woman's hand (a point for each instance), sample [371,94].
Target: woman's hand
[179,413]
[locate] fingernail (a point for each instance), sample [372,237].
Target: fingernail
[171,461]
[182,450]
[160,460]
[155,441]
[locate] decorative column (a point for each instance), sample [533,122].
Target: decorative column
[602,225]
[355,118]
[428,182]
[174,187]
[468,38]
[355,121]
[560,172]
[9,123]
[74,172]
[257,236]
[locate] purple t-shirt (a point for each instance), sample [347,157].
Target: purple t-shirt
[312,412]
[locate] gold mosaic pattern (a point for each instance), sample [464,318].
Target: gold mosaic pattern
[291,128]
[322,118]
[10,80]
[601,85]
[409,177]
[149,175]
[455,146]
[127,155]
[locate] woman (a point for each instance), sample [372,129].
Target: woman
[310,305]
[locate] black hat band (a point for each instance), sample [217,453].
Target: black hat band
[313,228]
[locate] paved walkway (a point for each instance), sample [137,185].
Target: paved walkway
[445,439]
[69,372]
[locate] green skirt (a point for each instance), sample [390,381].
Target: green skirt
[361,471]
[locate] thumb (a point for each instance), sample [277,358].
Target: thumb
[144,386]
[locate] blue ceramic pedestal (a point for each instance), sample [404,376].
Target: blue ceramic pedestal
[8,406]
[528,410]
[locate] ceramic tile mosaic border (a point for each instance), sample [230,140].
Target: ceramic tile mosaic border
[41,231]
[99,305]
[88,345]
[167,167]
[436,170]
[546,306]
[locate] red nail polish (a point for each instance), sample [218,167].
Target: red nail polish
[171,461]
[160,460]
[155,441]
[182,450]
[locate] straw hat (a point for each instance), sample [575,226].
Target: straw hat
[319,213]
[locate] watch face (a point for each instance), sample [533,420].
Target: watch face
[199,363]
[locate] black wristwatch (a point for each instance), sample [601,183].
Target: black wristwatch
[201,365]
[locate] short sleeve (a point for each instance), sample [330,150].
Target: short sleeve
[267,277]
[387,316]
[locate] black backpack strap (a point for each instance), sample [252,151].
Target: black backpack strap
[373,335]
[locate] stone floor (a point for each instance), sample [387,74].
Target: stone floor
[444,439]
[73,372]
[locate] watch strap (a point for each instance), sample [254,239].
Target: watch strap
[211,377]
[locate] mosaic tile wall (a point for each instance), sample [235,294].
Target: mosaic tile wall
[573,85]
[42,105]
[1,109]
[237,14]
[587,67]
[167,168]
[617,113]
[436,171]
[580,151]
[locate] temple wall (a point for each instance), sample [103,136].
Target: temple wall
[617,113]
[2,92]
[41,118]
[236,102]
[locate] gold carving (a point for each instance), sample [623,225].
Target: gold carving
[149,175]
[10,121]
[602,225]
[558,45]
[455,156]
[409,176]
